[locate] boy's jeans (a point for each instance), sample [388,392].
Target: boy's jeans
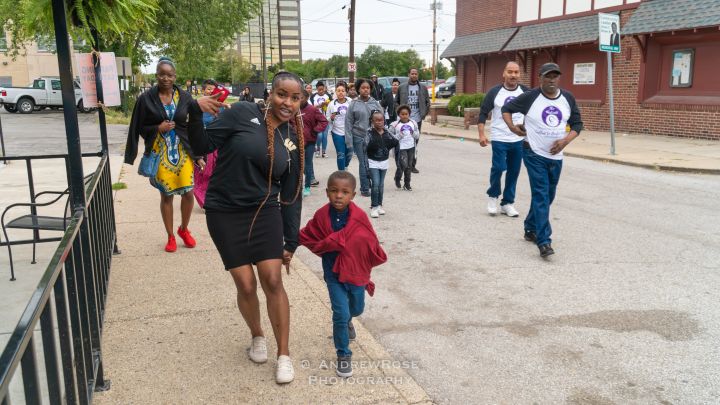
[544,176]
[505,156]
[347,301]
[378,187]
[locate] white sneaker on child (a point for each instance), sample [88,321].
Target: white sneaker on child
[374,213]
[509,210]
[258,350]
[285,371]
[492,205]
[381,211]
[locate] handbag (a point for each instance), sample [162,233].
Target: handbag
[149,164]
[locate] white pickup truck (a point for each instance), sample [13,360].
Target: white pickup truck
[41,93]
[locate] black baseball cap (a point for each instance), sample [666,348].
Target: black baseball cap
[549,67]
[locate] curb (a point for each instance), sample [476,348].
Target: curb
[657,167]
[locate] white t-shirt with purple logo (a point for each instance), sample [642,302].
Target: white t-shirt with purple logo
[340,110]
[546,119]
[494,100]
[406,133]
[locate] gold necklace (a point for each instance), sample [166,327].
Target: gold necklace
[289,146]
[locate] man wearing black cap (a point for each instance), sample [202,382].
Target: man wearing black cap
[548,111]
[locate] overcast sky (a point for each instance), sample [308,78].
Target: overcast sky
[392,24]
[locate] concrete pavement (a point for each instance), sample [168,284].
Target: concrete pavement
[648,151]
[173,333]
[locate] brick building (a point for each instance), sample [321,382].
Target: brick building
[670,49]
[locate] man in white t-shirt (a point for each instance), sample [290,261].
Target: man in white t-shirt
[548,111]
[507,149]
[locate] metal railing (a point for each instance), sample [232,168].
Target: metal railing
[71,323]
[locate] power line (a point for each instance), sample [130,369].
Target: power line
[366,43]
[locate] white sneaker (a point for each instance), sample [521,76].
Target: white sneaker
[258,350]
[374,212]
[492,205]
[285,371]
[381,211]
[509,210]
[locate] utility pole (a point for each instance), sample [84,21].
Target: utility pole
[434,6]
[262,45]
[351,58]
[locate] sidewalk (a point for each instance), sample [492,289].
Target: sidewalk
[649,151]
[173,333]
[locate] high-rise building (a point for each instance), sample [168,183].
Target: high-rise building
[277,30]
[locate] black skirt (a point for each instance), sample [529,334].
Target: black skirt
[229,231]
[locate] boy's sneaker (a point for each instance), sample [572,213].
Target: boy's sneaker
[344,366]
[351,331]
[381,211]
[374,212]
[285,371]
[188,240]
[530,236]
[171,245]
[314,183]
[414,170]
[546,250]
[258,350]
[365,193]
[317,153]
[407,187]
[397,184]
[324,154]
[509,210]
[492,205]
[306,191]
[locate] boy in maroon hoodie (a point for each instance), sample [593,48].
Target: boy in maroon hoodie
[314,122]
[341,233]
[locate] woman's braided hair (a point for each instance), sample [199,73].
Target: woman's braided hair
[280,76]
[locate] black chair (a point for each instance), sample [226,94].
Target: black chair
[36,223]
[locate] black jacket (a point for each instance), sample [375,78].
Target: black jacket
[390,104]
[147,116]
[378,146]
[377,91]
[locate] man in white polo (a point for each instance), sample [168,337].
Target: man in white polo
[548,111]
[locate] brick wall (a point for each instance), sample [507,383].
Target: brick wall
[472,17]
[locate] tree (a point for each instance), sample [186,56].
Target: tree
[231,68]
[383,62]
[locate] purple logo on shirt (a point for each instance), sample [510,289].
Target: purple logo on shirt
[406,129]
[342,109]
[509,99]
[552,116]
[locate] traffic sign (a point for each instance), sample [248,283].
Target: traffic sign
[352,67]
[609,25]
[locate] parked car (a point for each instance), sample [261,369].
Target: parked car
[386,81]
[447,89]
[43,92]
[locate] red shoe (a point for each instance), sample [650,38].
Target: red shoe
[186,237]
[171,245]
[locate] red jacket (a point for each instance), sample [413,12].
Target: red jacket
[314,122]
[357,244]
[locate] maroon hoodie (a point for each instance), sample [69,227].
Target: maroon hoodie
[314,122]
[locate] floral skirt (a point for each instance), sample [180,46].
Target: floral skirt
[175,171]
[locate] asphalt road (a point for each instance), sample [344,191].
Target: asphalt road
[626,311]
[42,132]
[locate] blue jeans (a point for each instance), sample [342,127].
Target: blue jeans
[322,140]
[378,187]
[309,170]
[505,156]
[359,147]
[347,301]
[344,154]
[544,176]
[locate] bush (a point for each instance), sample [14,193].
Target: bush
[464,101]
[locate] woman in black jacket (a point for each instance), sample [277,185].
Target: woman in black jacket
[379,142]
[252,206]
[160,118]
[247,95]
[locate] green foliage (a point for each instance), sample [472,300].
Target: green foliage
[231,68]
[383,62]
[119,186]
[464,101]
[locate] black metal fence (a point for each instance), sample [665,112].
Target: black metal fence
[69,305]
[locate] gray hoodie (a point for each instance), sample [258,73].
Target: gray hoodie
[357,119]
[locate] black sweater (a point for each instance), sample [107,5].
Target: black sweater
[378,146]
[240,178]
[147,116]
